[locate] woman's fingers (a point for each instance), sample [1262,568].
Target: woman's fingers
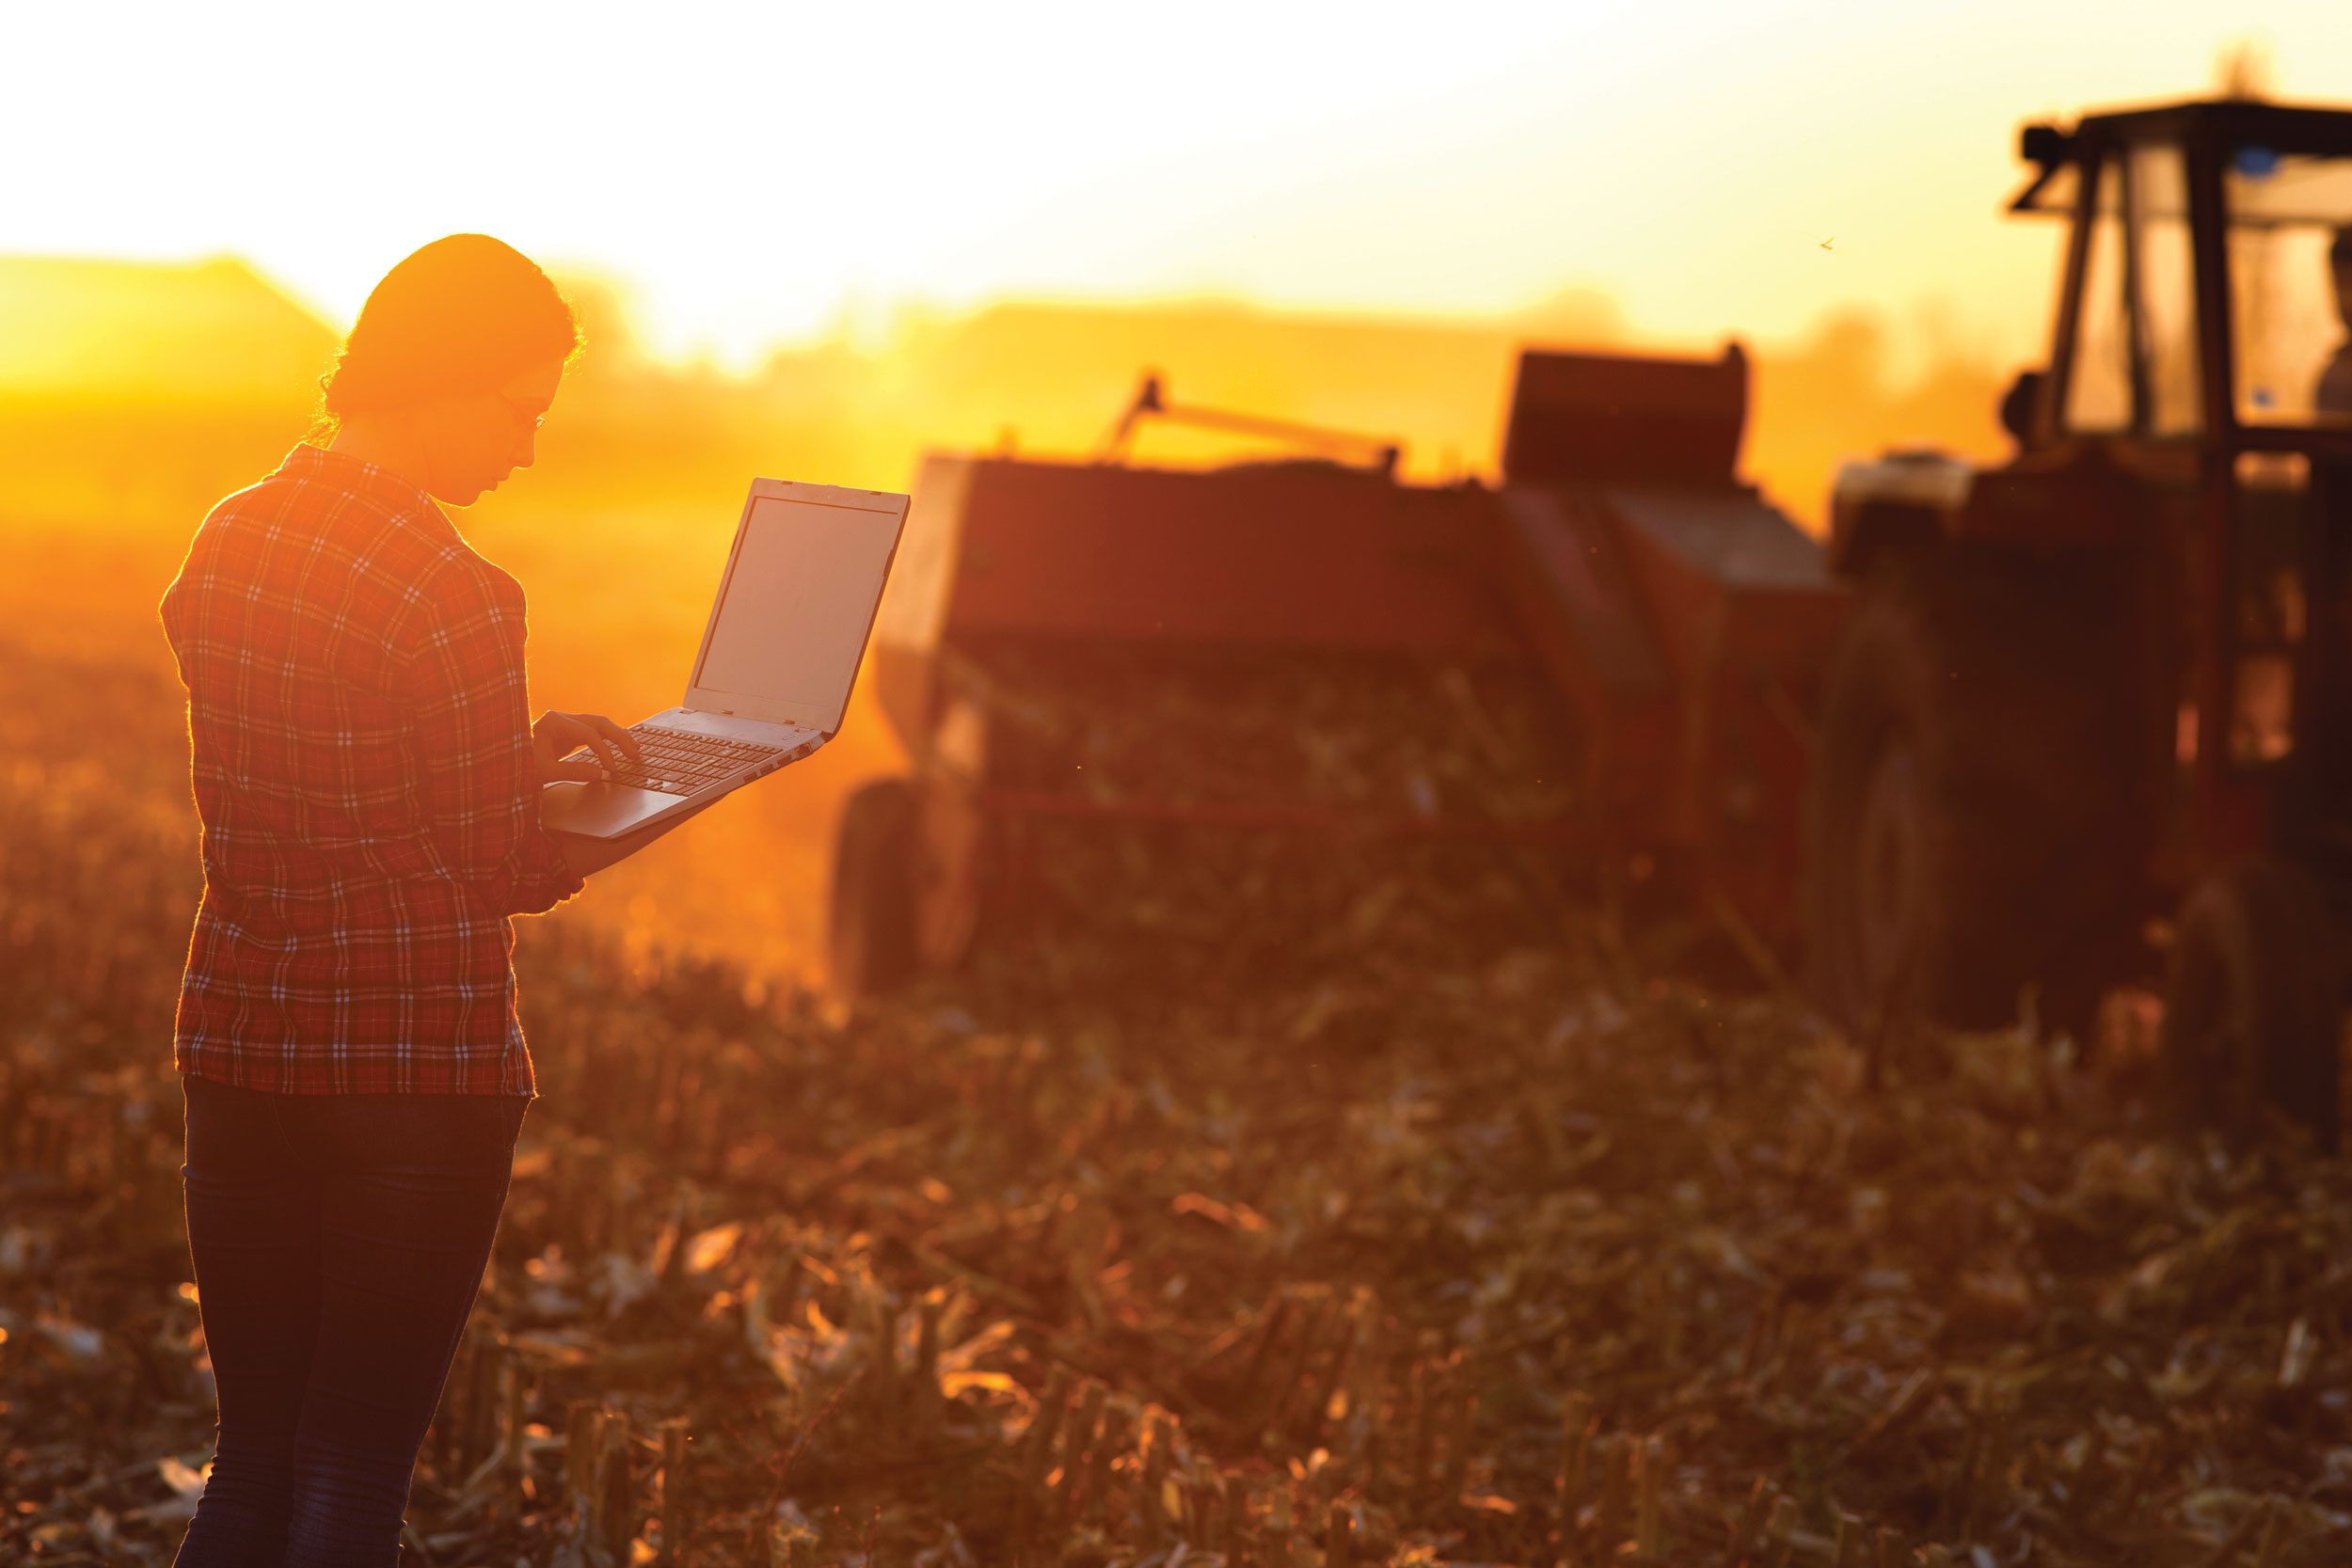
[606,738]
[561,733]
[583,730]
[620,736]
[555,737]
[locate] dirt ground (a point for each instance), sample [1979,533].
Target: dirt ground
[1247,1198]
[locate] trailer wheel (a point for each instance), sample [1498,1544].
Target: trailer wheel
[1972,820]
[2251,1012]
[870,930]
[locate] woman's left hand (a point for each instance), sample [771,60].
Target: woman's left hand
[557,735]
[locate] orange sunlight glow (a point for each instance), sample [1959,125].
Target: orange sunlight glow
[819,245]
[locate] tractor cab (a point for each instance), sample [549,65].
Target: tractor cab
[2094,716]
[2201,345]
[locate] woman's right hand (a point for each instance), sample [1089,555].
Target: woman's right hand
[558,735]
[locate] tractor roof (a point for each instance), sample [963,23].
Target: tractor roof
[2225,125]
[2302,128]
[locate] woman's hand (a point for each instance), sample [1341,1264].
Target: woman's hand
[557,735]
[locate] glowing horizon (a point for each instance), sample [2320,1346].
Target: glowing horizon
[760,178]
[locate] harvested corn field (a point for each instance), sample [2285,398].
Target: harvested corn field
[1448,1226]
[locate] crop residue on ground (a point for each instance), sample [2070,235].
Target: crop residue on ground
[1445,1232]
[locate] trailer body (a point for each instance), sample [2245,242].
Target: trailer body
[1680,619]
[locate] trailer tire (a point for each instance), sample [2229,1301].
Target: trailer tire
[1972,821]
[871,926]
[2252,1004]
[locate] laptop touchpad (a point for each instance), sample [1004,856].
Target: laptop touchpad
[598,810]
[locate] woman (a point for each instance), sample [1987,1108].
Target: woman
[368,787]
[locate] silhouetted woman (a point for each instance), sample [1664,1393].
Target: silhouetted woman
[369,779]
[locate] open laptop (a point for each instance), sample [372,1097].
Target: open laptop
[773,678]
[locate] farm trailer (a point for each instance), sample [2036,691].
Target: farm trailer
[1680,619]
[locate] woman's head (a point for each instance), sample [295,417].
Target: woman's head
[453,362]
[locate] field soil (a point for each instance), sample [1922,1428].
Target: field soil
[1245,1198]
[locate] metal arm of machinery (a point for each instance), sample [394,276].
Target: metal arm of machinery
[1151,399]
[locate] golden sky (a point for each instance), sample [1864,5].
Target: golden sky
[763,173]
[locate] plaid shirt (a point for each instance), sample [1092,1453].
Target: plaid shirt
[371,807]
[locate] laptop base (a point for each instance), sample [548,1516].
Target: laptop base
[605,810]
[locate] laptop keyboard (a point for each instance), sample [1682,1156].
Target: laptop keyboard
[680,762]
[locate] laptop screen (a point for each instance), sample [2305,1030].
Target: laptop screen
[792,615]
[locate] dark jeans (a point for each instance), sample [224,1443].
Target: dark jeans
[338,1242]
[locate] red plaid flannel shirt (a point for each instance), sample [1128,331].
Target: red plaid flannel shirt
[362,765]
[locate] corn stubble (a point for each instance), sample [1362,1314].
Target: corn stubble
[1411,1225]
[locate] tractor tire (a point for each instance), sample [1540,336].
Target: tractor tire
[2253,1008]
[871,926]
[1972,826]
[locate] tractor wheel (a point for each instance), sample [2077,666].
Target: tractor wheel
[1971,822]
[870,930]
[2251,1012]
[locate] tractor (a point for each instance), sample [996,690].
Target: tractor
[2091,717]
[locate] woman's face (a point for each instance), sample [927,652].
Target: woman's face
[470,443]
